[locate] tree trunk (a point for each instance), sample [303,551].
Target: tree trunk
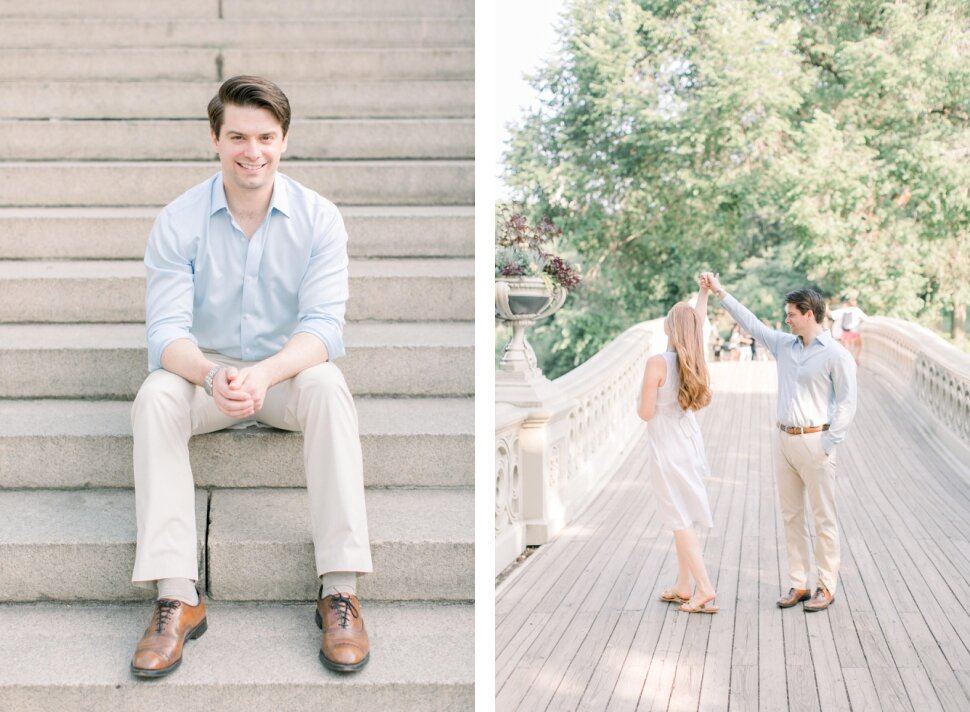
[958,331]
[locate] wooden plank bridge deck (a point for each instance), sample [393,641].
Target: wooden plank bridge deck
[580,626]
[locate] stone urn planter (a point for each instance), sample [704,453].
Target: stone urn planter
[522,301]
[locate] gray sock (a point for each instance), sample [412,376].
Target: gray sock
[182,589]
[344,582]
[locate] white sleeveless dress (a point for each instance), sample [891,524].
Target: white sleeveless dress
[678,464]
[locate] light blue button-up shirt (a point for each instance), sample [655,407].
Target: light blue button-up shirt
[245,298]
[816,383]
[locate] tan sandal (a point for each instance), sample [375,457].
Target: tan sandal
[671,597]
[692,607]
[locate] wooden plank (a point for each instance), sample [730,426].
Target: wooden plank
[607,669]
[563,609]
[643,649]
[744,689]
[716,685]
[862,691]
[545,580]
[773,577]
[554,585]
[832,694]
[802,693]
[587,634]
[945,683]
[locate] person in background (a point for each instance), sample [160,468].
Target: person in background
[847,321]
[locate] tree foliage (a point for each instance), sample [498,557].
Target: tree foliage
[826,142]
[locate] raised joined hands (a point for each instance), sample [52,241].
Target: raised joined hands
[710,282]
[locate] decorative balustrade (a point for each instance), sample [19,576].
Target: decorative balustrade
[923,367]
[509,523]
[552,458]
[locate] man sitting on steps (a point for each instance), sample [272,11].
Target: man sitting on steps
[246,293]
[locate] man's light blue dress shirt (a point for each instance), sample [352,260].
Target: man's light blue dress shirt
[816,383]
[246,298]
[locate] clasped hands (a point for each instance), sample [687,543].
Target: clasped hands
[239,393]
[710,282]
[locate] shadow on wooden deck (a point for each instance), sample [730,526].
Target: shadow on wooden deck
[579,626]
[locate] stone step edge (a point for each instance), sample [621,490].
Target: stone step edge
[422,658]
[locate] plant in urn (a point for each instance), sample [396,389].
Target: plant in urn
[531,283]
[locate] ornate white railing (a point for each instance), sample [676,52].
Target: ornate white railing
[509,522]
[552,460]
[923,367]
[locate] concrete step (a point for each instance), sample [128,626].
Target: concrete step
[351,8]
[110,360]
[69,444]
[91,184]
[174,9]
[422,543]
[188,100]
[247,33]
[114,291]
[80,545]
[121,233]
[315,65]
[188,64]
[256,657]
[74,545]
[309,139]
[180,9]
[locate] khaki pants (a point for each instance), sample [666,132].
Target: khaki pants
[803,468]
[168,410]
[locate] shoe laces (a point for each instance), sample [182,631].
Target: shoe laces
[344,607]
[166,609]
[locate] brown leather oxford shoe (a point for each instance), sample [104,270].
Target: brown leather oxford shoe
[820,601]
[794,596]
[344,646]
[159,651]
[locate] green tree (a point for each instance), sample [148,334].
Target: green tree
[825,141]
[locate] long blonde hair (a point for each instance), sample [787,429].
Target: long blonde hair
[684,333]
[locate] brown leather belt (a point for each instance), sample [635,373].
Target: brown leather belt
[794,430]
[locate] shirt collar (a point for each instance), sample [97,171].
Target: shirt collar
[217,199]
[280,200]
[824,339]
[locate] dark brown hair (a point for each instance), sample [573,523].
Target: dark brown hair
[247,90]
[805,299]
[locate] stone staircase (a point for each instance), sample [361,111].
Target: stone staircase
[102,122]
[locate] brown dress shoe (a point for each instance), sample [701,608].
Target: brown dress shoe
[344,646]
[159,651]
[794,596]
[820,601]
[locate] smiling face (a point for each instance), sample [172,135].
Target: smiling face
[800,324]
[249,144]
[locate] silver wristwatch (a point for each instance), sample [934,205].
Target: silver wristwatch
[209,377]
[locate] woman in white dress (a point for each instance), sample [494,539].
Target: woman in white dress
[674,386]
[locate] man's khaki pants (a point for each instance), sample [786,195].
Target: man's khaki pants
[168,410]
[803,468]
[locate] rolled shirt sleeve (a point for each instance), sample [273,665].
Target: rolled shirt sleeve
[324,289]
[169,289]
[844,400]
